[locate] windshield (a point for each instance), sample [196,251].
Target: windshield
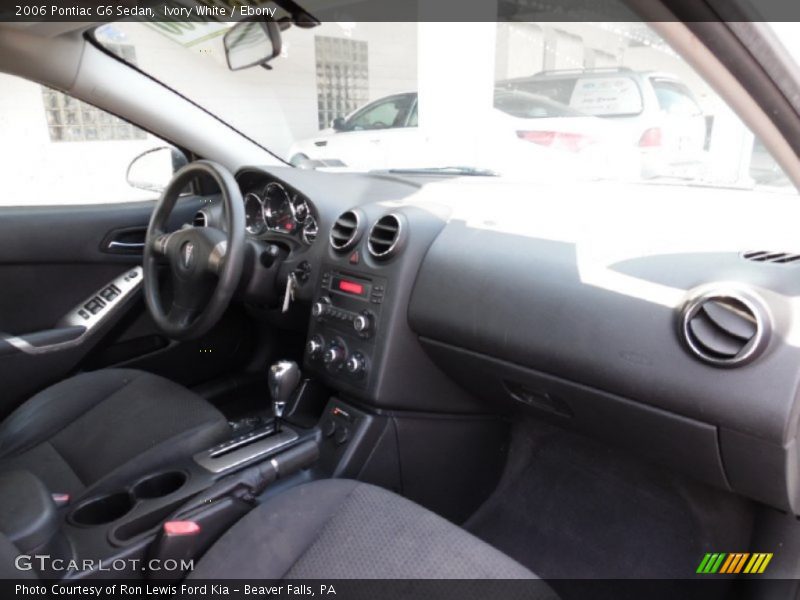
[527,100]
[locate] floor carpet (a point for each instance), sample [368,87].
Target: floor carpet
[570,508]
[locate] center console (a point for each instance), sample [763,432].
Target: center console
[208,492]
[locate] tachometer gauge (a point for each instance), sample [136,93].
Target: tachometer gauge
[278,209]
[254,214]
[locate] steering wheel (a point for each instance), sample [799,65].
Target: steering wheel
[205,263]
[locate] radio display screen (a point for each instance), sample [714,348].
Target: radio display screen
[350,286]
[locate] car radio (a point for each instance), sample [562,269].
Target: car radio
[345,318]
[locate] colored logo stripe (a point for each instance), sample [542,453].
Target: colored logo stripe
[732,558]
[737,563]
[758,563]
[734,563]
[711,563]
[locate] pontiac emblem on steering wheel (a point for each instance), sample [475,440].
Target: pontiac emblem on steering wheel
[187,255]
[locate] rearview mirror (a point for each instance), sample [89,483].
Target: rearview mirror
[251,43]
[338,124]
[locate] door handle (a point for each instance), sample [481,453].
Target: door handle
[125,245]
[129,240]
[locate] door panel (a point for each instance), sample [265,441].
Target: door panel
[54,259]
[72,228]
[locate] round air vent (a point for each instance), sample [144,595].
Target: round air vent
[310,230]
[385,235]
[726,329]
[200,219]
[346,231]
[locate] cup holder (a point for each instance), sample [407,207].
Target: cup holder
[158,486]
[103,509]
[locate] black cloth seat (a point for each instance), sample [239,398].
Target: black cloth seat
[110,423]
[342,529]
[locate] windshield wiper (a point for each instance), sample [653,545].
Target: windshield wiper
[471,171]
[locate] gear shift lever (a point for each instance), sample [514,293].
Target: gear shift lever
[284,377]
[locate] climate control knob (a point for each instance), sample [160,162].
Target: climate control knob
[362,324]
[314,346]
[320,307]
[334,356]
[356,364]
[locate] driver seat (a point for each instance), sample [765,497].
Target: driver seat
[112,423]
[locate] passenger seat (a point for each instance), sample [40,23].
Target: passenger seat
[343,529]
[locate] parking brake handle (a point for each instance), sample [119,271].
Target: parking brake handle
[251,482]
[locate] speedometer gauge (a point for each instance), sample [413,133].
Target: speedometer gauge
[278,209]
[254,214]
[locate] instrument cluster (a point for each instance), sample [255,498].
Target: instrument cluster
[273,208]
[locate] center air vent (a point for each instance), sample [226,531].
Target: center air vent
[724,329]
[384,237]
[346,231]
[200,219]
[771,257]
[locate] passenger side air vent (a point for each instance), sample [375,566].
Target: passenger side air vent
[346,231]
[384,237]
[725,329]
[771,257]
[200,219]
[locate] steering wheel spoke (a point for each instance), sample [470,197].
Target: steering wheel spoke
[216,258]
[212,245]
[160,242]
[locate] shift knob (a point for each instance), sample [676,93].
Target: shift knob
[284,377]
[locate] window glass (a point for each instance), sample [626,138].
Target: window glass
[382,116]
[413,119]
[599,96]
[58,150]
[675,98]
[607,96]
[531,106]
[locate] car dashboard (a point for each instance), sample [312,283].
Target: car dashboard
[619,311]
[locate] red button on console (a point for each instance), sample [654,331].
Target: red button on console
[181,528]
